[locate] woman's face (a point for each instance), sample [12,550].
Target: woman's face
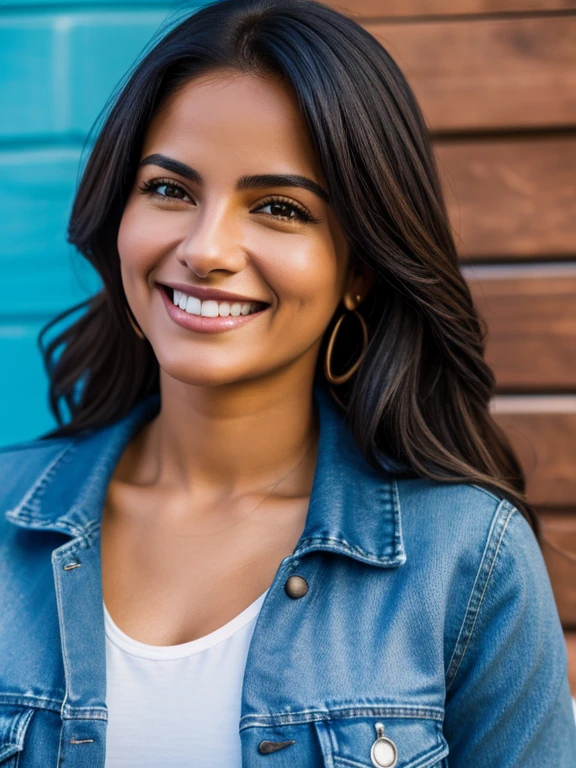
[195,219]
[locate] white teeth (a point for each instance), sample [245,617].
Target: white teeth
[193,305]
[211,308]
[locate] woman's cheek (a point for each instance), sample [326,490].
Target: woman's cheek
[300,270]
[137,237]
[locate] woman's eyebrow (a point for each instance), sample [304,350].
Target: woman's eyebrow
[244,182]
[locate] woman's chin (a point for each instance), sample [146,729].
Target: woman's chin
[204,375]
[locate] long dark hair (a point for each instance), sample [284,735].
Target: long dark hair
[422,392]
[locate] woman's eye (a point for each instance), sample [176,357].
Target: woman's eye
[165,189]
[283,210]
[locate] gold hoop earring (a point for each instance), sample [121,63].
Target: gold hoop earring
[327,360]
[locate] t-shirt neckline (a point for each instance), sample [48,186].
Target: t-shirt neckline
[181,650]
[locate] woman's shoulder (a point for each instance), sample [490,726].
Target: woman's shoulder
[33,462]
[470,531]
[476,557]
[452,511]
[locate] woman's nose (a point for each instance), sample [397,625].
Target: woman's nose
[212,241]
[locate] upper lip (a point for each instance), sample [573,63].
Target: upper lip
[204,294]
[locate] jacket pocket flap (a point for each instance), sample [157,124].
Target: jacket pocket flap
[13,724]
[383,742]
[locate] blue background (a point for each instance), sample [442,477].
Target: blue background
[59,64]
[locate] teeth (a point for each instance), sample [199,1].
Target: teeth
[193,305]
[211,308]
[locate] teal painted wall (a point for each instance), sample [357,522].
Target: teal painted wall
[59,63]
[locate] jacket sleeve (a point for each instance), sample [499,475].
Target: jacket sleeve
[508,702]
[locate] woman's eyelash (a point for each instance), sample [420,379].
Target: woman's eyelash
[153,185]
[303,214]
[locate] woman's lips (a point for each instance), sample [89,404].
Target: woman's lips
[204,324]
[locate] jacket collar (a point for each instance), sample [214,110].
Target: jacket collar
[354,509]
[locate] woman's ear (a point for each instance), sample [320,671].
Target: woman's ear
[360,280]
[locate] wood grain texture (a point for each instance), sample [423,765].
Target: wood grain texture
[570,638]
[394,8]
[542,431]
[479,74]
[559,550]
[511,199]
[531,317]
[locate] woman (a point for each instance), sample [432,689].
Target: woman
[278,525]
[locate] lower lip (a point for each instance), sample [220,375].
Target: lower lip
[205,324]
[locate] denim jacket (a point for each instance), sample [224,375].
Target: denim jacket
[428,634]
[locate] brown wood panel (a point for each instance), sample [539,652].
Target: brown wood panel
[559,550]
[511,198]
[392,8]
[542,431]
[531,317]
[477,74]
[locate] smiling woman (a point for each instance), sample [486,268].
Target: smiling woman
[279,524]
[264,251]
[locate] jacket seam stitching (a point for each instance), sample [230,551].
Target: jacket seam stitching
[22,723]
[481,582]
[83,540]
[311,715]
[66,550]
[34,702]
[351,548]
[23,511]
[85,713]
[398,538]
[47,704]
[68,527]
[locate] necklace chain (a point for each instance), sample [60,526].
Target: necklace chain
[274,486]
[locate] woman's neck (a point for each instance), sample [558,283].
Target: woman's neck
[227,440]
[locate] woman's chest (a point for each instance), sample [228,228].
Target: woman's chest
[170,577]
[353,647]
[166,704]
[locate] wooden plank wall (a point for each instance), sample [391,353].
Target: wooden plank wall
[496,80]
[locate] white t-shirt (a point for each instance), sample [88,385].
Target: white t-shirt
[178,705]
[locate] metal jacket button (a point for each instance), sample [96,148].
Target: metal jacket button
[296,586]
[383,753]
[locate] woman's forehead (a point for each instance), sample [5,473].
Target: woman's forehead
[236,117]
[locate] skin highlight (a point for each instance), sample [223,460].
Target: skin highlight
[237,412]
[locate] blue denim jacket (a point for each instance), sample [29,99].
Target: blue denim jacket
[428,620]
